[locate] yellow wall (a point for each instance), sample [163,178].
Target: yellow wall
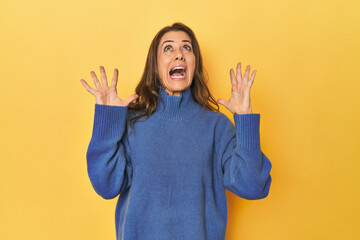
[306,54]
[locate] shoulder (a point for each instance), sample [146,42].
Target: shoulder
[220,122]
[215,116]
[224,128]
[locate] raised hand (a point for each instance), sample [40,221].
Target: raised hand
[107,95]
[239,102]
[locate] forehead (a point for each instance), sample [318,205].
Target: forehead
[176,36]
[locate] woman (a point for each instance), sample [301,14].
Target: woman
[171,173]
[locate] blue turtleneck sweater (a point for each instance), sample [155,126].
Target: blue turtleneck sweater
[170,176]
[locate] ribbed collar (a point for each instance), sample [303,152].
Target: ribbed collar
[176,107]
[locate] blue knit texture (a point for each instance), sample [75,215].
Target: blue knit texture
[170,175]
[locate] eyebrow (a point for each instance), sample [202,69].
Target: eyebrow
[173,41]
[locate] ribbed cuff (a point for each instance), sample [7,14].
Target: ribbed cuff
[247,130]
[109,121]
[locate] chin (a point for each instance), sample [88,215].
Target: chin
[177,86]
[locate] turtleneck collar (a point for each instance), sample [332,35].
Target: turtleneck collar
[176,107]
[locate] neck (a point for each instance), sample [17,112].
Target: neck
[177,94]
[176,107]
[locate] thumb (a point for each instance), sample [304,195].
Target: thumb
[131,98]
[222,102]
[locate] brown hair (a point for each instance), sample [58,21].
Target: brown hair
[148,87]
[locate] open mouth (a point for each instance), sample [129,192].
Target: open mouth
[177,72]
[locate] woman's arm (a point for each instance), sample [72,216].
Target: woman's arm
[108,163]
[245,168]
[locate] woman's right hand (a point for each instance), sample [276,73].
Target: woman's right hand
[107,95]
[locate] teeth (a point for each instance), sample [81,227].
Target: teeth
[177,76]
[177,68]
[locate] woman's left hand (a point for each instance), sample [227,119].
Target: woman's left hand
[239,102]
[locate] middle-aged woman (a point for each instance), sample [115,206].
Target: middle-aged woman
[168,153]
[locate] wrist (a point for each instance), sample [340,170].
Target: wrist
[244,111]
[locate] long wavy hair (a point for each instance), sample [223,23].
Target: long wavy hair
[148,88]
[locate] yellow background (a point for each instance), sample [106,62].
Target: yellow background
[306,54]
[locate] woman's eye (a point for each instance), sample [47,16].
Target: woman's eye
[187,47]
[168,47]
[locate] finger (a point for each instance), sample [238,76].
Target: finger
[238,72]
[96,81]
[233,80]
[131,98]
[252,77]
[246,75]
[86,85]
[103,76]
[115,78]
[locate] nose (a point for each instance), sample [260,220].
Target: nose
[179,55]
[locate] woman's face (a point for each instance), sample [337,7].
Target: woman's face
[176,62]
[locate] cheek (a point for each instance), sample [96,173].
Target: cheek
[193,61]
[161,66]
[193,64]
[163,63]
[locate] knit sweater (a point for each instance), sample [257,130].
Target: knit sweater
[170,175]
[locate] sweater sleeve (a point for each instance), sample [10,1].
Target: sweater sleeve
[245,168]
[108,164]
